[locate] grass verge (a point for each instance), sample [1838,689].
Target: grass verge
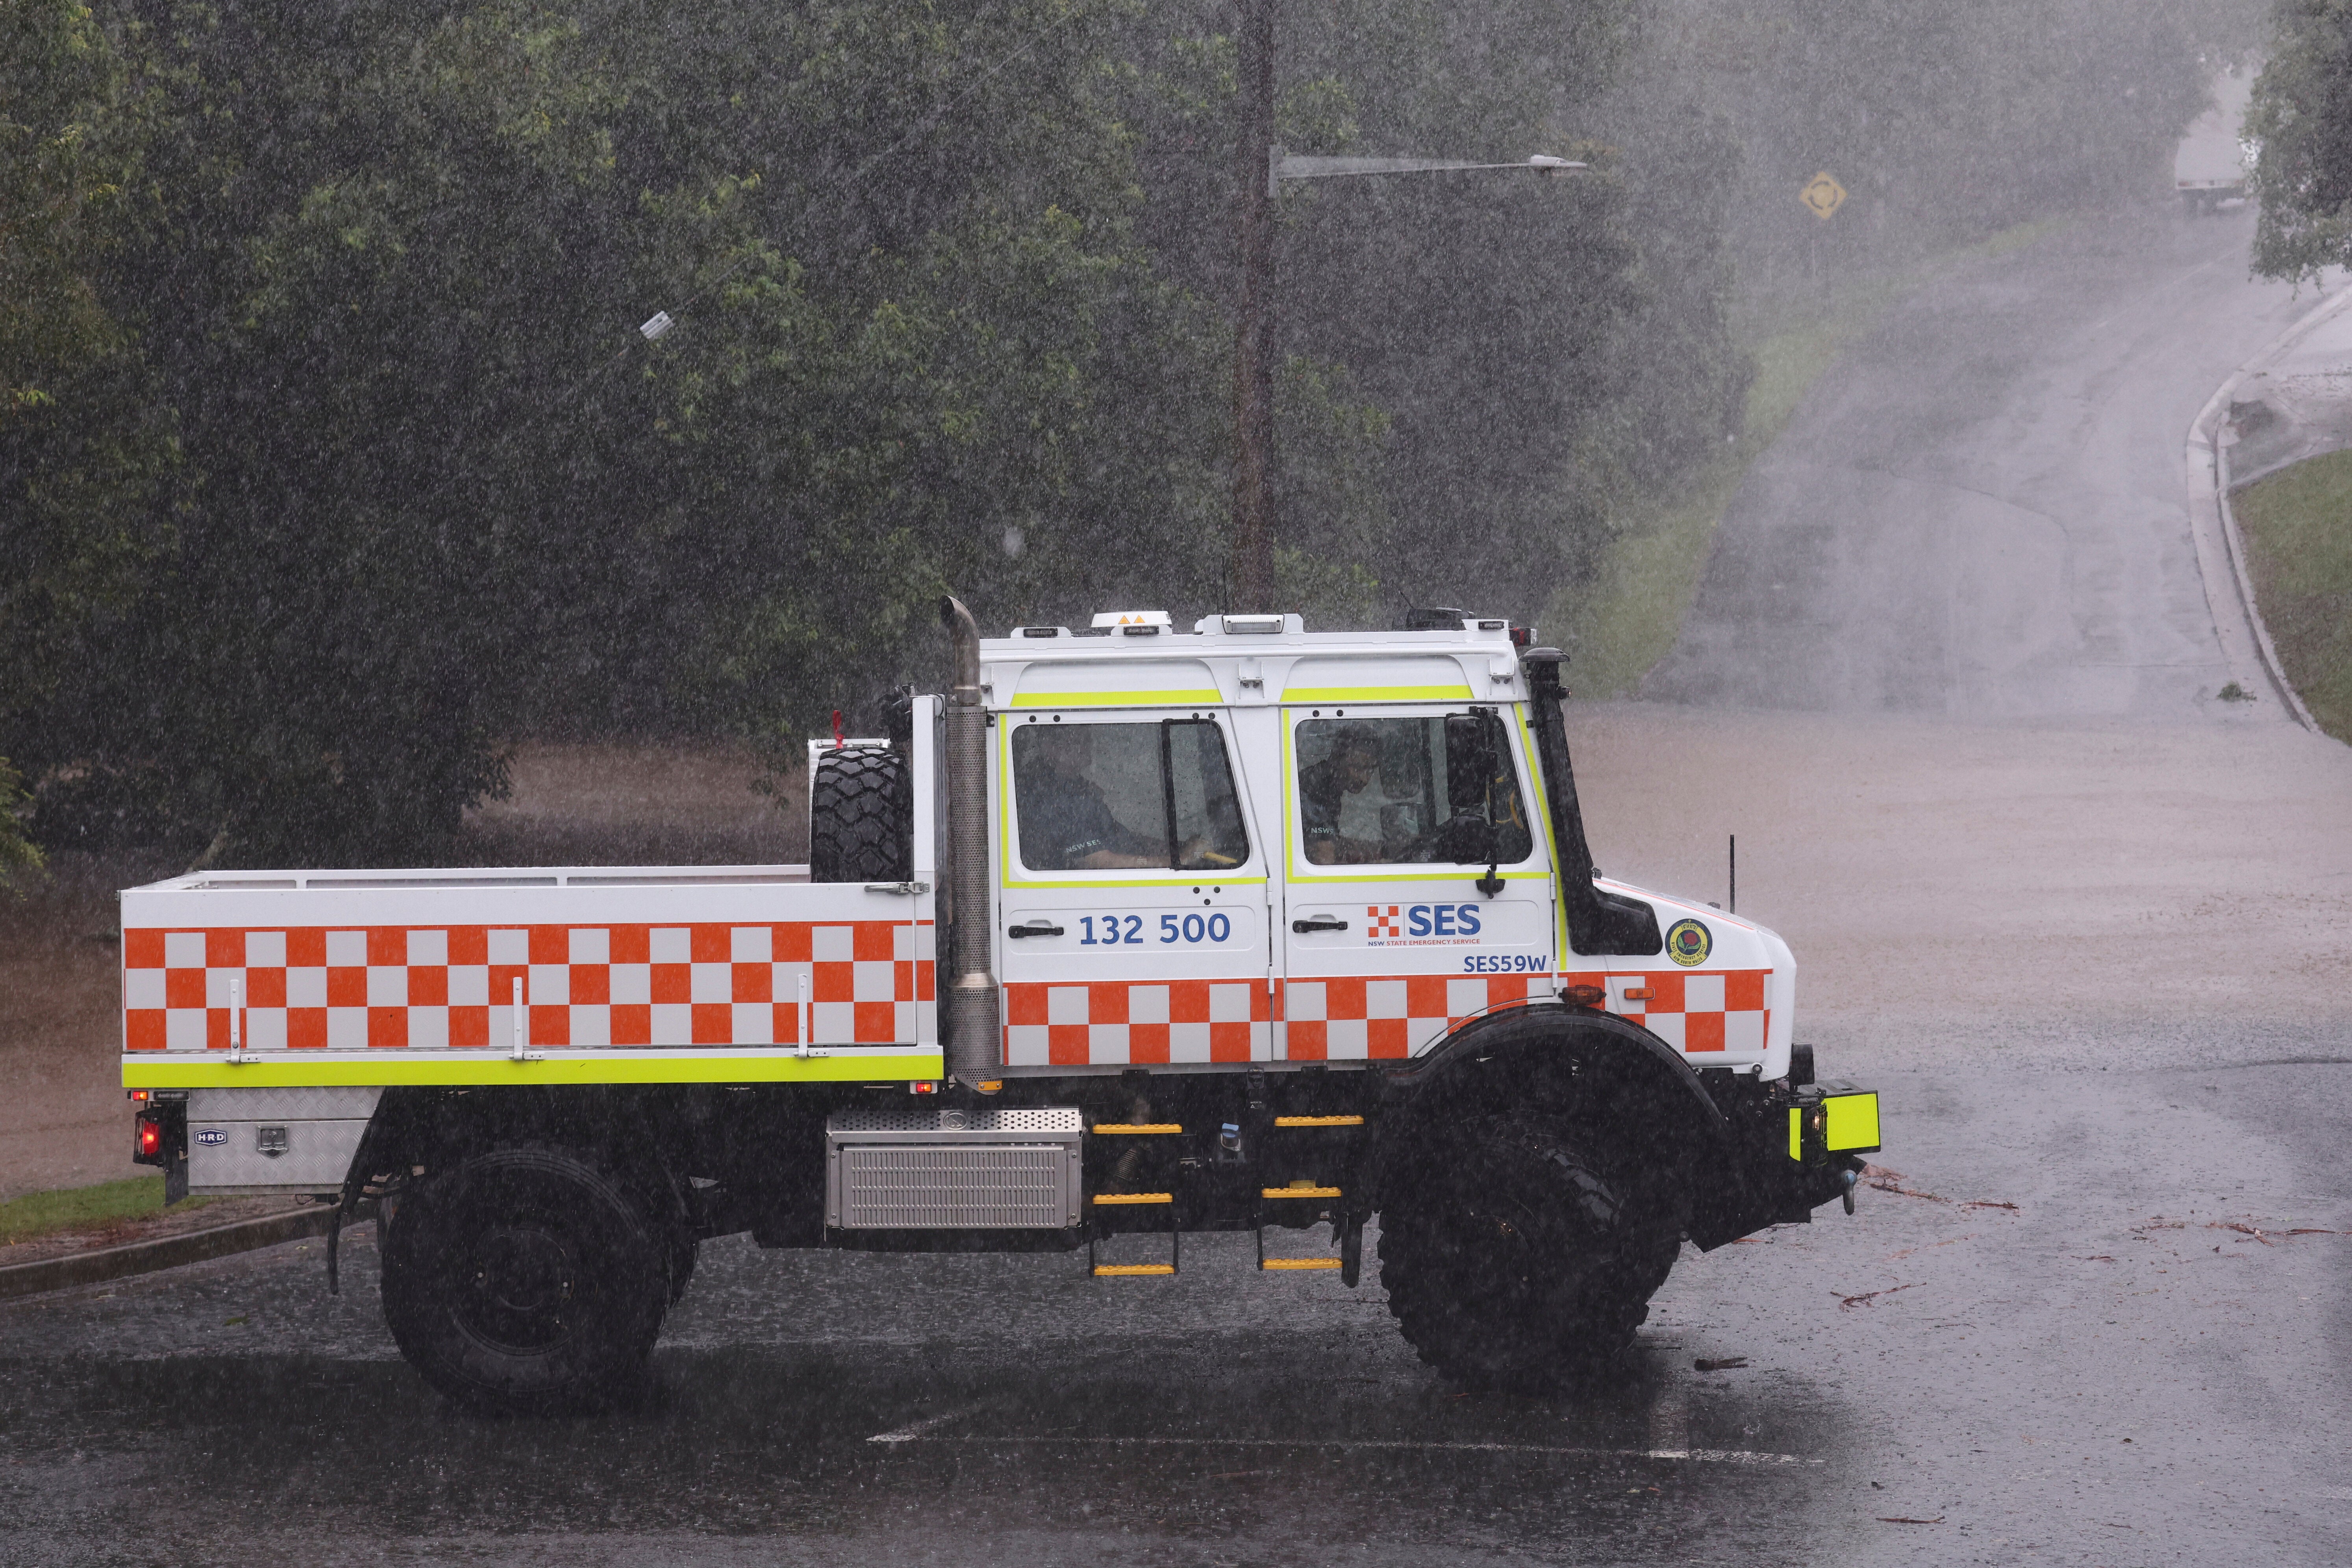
[1624,621]
[2297,525]
[38,1215]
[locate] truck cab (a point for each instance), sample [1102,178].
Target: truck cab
[1258,844]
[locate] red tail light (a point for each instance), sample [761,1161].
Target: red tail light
[150,1140]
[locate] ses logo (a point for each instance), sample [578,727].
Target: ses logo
[1405,922]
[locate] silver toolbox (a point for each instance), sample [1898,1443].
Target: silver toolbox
[273,1140]
[990,1168]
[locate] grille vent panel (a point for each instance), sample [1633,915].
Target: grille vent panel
[983,1168]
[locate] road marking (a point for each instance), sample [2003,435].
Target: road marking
[1670,1420]
[1700,1456]
[914,1429]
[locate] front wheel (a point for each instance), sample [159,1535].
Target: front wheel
[529,1279]
[1520,1261]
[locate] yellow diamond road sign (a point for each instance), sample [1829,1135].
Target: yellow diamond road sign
[1822,196]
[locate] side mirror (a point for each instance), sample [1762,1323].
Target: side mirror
[1470,760]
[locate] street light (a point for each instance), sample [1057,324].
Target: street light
[1263,168]
[1282,165]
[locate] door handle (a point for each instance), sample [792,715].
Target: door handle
[1040,928]
[1318,924]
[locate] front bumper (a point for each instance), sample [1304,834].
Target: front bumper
[1791,1150]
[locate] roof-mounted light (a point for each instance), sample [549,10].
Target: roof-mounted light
[1249,626]
[1133,623]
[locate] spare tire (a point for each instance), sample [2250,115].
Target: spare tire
[861,817]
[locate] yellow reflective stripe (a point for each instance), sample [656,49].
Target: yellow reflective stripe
[1114,1268]
[1201,697]
[1852,1121]
[1551,843]
[390,1069]
[1377,694]
[1107,1199]
[1319,1121]
[1796,1133]
[1298,1192]
[1459,874]
[1272,1263]
[1184,879]
[1289,788]
[1004,804]
[1138,1129]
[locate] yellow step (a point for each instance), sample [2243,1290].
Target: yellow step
[1137,1129]
[1298,1192]
[1299,1263]
[1107,1199]
[1319,1121]
[1104,1268]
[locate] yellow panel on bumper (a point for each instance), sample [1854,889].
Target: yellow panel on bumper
[1835,1123]
[1852,1121]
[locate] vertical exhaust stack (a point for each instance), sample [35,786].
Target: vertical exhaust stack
[974,1050]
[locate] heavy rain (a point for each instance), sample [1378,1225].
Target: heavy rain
[1043,780]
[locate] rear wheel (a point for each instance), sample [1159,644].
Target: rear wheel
[861,818]
[529,1280]
[1520,1261]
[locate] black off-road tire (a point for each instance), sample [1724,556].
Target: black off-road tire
[1517,1262]
[527,1281]
[861,818]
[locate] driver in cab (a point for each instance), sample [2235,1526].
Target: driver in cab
[1323,791]
[1065,823]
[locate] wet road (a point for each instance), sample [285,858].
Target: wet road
[1981,512]
[2111,1370]
[2135,1363]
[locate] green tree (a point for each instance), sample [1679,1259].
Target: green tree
[2301,122]
[86,444]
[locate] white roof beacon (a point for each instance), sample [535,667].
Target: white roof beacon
[1133,623]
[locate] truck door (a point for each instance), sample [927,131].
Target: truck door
[1131,907]
[1415,893]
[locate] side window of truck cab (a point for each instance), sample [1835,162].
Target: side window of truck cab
[1424,789]
[1097,796]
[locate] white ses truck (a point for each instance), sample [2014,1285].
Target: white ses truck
[1129,934]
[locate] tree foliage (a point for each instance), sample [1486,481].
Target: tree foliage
[2301,122]
[331,459]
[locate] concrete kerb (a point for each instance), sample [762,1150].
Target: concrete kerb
[163,1252]
[2220,549]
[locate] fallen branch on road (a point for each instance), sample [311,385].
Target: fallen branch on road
[1867,1296]
[1886,1181]
[2264,1235]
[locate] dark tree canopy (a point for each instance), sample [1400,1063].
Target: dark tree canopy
[331,460]
[2301,122]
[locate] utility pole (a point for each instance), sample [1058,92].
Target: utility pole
[1253,564]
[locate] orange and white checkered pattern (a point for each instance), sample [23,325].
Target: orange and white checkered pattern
[1361,1019]
[1140,1022]
[869,982]
[1697,1012]
[1366,1019]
